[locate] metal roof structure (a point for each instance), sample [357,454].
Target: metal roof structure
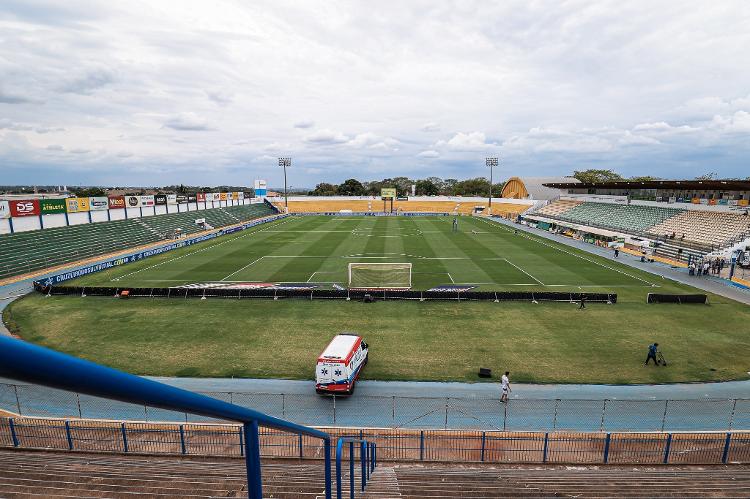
[689,185]
[537,188]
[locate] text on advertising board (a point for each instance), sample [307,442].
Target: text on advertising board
[24,208]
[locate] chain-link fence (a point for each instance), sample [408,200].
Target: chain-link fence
[411,412]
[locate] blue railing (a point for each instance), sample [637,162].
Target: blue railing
[23,361]
[368,462]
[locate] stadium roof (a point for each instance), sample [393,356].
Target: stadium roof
[535,187]
[696,185]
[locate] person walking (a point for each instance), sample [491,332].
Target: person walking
[652,349]
[505,386]
[455,224]
[583,301]
[617,252]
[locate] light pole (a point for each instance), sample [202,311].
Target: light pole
[284,162]
[491,162]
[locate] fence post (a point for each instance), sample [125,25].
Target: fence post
[546,445]
[731,417]
[606,448]
[242,442]
[78,400]
[393,412]
[283,406]
[362,457]
[252,461]
[554,420]
[484,438]
[505,415]
[445,423]
[667,447]
[334,409]
[182,440]
[726,448]
[301,451]
[13,435]
[18,403]
[421,445]
[124,437]
[68,435]
[604,410]
[664,417]
[351,470]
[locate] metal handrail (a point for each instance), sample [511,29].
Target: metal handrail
[34,364]
[367,457]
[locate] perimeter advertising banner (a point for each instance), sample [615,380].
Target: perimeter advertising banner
[222,196]
[133,201]
[240,195]
[388,192]
[116,202]
[160,199]
[200,197]
[76,205]
[147,201]
[171,198]
[52,206]
[182,199]
[217,196]
[743,202]
[24,208]
[192,199]
[236,196]
[98,203]
[4,209]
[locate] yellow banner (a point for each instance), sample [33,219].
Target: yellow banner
[223,196]
[75,205]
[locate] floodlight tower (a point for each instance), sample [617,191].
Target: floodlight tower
[491,162]
[284,162]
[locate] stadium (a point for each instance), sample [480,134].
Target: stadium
[482,336]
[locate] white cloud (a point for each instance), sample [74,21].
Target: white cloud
[472,141]
[55,147]
[550,87]
[326,136]
[80,150]
[188,122]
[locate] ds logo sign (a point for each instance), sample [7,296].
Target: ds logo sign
[24,208]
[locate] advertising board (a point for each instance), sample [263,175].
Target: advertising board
[98,203]
[4,209]
[52,206]
[77,205]
[133,201]
[171,198]
[116,202]
[200,197]
[147,201]
[24,207]
[160,199]
[388,192]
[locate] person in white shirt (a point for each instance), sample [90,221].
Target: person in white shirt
[505,385]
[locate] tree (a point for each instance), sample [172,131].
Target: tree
[597,176]
[89,192]
[351,187]
[646,178]
[324,189]
[472,187]
[707,176]
[427,187]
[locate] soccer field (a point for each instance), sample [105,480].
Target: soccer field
[410,340]
[317,250]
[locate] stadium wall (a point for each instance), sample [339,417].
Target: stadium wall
[37,222]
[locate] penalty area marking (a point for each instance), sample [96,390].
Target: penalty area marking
[527,236]
[202,250]
[519,268]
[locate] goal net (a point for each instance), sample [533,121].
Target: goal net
[380,275]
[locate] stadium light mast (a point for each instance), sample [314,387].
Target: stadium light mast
[284,162]
[491,162]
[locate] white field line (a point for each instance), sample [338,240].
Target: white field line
[519,268]
[199,251]
[243,268]
[451,277]
[311,276]
[523,234]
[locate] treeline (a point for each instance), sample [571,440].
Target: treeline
[430,186]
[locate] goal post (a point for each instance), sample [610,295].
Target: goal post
[380,275]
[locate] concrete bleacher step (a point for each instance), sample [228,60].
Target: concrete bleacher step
[383,483]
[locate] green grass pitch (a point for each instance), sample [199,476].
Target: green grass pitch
[546,342]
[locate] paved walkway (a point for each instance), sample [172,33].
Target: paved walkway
[708,283]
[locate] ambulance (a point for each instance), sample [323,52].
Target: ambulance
[340,363]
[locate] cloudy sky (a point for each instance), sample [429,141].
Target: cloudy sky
[212,92]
